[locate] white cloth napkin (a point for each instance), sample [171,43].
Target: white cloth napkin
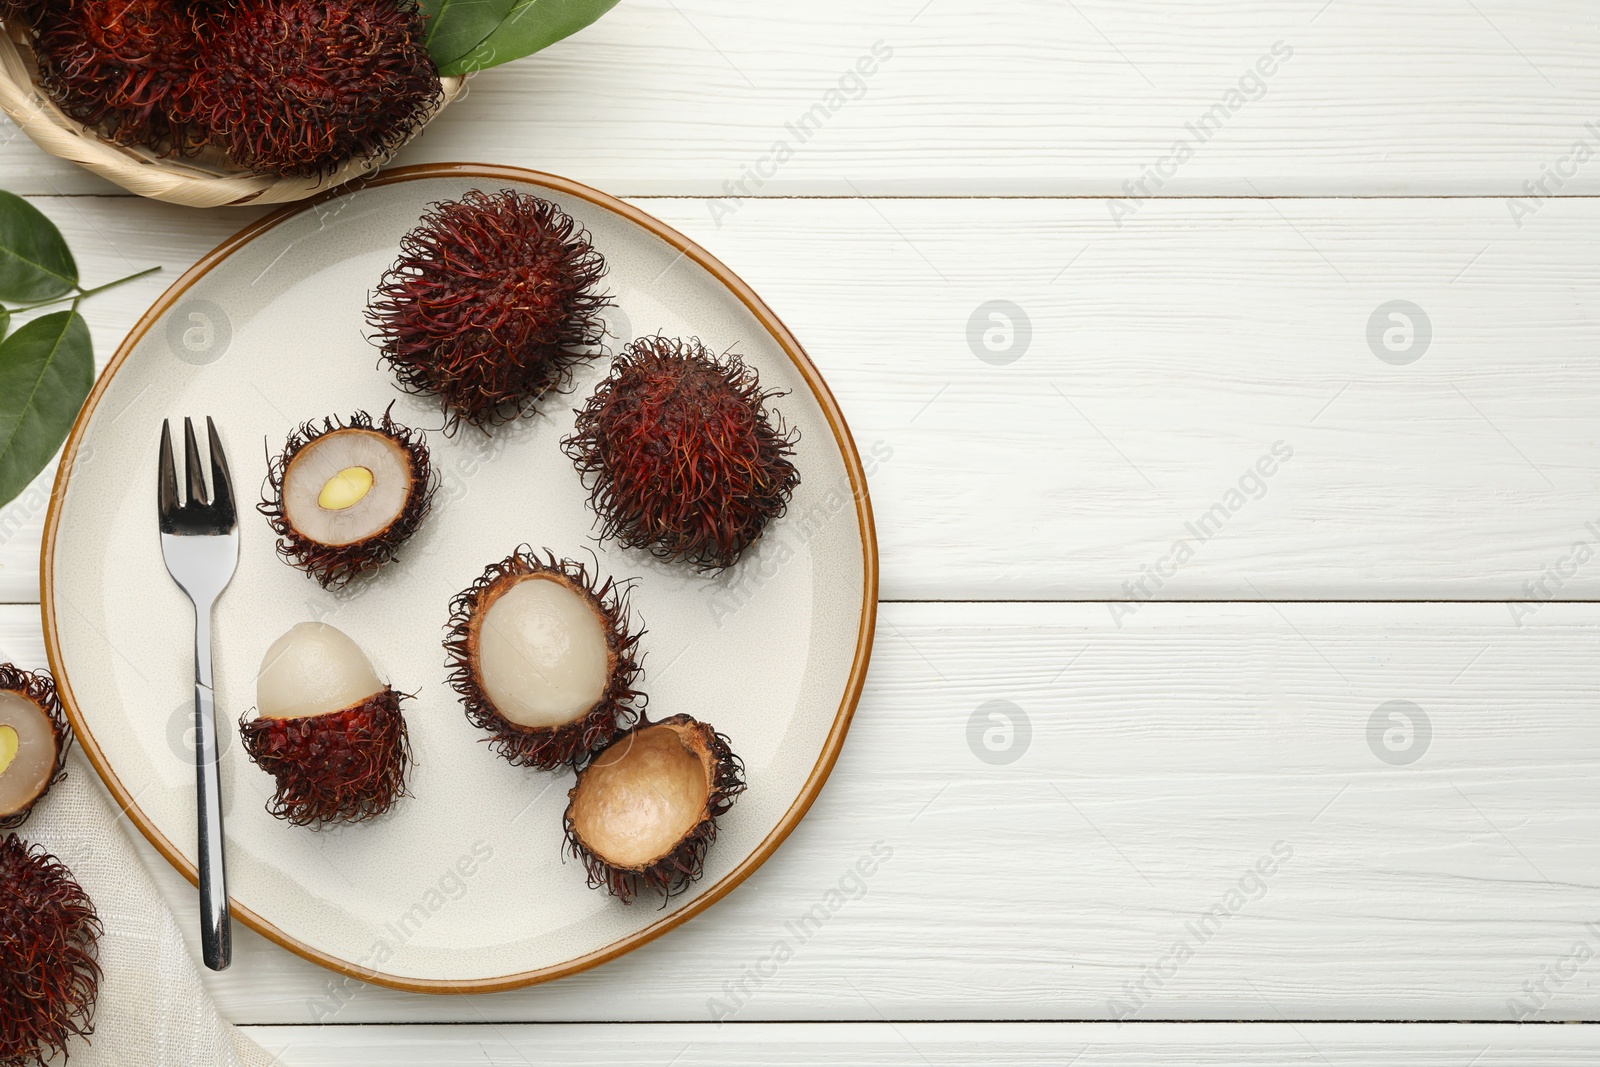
[152,1009]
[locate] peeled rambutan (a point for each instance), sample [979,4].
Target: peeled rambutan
[681,456]
[121,67]
[329,732]
[490,305]
[645,811]
[300,87]
[34,738]
[542,656]
[49,973]
[343,496]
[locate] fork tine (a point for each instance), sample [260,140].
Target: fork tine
[221,479]
[191,464]
[167,495]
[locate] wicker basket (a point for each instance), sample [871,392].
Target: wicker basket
[207,180]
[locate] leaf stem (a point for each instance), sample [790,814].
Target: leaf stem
[82,292]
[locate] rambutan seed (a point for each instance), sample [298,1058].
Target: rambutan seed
[492,302]
[681,455]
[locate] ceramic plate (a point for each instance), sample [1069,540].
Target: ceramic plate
[268,331]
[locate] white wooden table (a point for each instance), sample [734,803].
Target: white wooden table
[1372,512]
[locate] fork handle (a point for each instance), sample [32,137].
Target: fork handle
[216,935]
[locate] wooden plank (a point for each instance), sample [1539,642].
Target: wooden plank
[1361,97]
[1168,363]
[1210,815]
[920,1044]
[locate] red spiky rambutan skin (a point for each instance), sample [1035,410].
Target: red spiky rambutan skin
[49,973]
[343,767]
[39,688]
[490,305]
[20,12]
[681,456]
[300,87]
[120,67]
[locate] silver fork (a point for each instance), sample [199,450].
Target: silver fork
[200,544]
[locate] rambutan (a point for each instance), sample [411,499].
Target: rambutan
[34,738]
[490,305]
[120,67]
[49,973]
[329,732]
[15,13]
[681,456]
[542,656]
[343,496]
[645,811]
[300,87]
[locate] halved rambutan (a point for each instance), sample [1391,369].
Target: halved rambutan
[343,496]
[300,87]
[34,738]
[329,732]
[121,67]
[543,659]
[681,456]
[49,973]
[492,302]
[645,811]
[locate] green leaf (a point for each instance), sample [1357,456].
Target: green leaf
[531,25]
[5,321]
[46,369]
[456,27]
[35,263]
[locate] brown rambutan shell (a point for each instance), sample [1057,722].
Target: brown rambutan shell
[39,689]
[680,864]
[545,748]
[49,971]
[342,767]
[491,304]
[120,67]
[300,87]
[335,565]
[680,454]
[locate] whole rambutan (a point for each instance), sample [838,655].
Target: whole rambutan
[681,455]
[489,305]
[49,974]
[331,735]
[34,738]
[300,87]
[121,67]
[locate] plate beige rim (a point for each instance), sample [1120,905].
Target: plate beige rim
[770,322]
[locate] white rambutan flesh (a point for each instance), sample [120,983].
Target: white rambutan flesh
[314,669]
[542,654]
